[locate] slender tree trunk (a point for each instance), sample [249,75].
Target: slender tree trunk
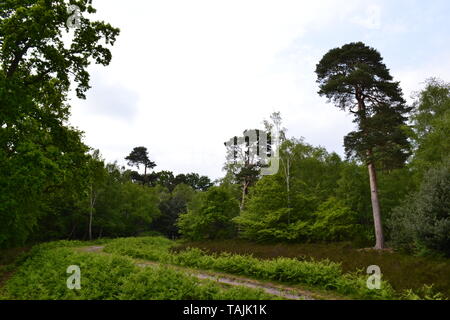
[72,232]
[91,211]
[373,184]
[376,207]
[244,192]
[288,187]
[241,206]
[145,175]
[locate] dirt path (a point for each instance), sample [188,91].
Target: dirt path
[92,249]
[276,291]
[227,279]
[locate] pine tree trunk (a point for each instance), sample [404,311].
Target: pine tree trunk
[145,175]
[376,207]
[373,186]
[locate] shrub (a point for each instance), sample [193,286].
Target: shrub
[425,293]
[194,258]
[236,264]
[422,222]
[355,284]
[150,248]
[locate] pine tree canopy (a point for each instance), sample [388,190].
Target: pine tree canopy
[355,78]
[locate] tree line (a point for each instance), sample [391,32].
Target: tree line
[393,185]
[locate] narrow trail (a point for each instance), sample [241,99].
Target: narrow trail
[225,279]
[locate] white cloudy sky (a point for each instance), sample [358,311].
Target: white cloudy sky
[188,75]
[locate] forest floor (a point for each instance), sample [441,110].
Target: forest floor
[279,290]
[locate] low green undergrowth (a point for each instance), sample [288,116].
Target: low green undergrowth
[42,276]
[321,274]
[159,283]
[402,271]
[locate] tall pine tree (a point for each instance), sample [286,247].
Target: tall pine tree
[355,78]
[139,156]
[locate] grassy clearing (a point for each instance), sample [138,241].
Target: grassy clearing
[323,274]
[42,276]
[402,271]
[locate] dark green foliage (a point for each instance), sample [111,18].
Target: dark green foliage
[138,157]
[247,175]
[171,206]
[163,178]
[422,223]
[355,78]
[120,207]
[38,44]
[41,157]
[167,180]
[394,187]
[210,215]
[194,180]
[40,168]
[124,208]
[385,134]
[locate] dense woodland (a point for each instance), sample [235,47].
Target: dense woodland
[54,186]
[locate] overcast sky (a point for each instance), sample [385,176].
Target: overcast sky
[188,75]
